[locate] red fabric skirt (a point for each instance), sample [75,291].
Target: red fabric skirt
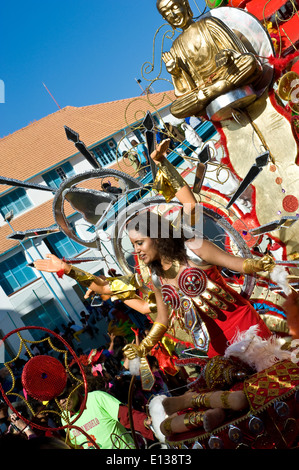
[239,316]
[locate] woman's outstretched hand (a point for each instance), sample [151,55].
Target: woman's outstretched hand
[160,151]
[51,264]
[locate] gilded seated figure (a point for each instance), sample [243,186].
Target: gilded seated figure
[205,61]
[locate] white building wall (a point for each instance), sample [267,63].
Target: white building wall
[48,286]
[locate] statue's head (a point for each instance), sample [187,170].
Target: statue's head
[176,12]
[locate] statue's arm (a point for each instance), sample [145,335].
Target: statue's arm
[182,82]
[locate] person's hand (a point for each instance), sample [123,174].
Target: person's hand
[89,293]
[223,57]
[111,336]
[131,351]
[51,264]
[266,263]
[18,422]
[160,151]
[170,63]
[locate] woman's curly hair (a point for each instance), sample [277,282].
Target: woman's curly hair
[170,240]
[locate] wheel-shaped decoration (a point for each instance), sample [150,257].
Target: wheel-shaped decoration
[216,228]
[170,296]
[45,378]
[95,205]
[192,282]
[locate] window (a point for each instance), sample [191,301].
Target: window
[55,177]
[17,200]
[47,315]
[106,152]
[64,246]
[14,273]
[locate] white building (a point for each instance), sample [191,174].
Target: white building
[41,154]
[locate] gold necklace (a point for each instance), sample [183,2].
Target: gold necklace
[172,272]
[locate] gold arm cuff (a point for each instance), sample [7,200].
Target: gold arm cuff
[173,176]
[163,186]
[224,399]
[168,180]
[202,400]
[155,335]
[193,419]
[124,287]
[167,426]
[151,300]
[84,278]
[123,283]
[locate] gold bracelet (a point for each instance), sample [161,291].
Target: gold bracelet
[167,426]
[84,278]
[224,399]
[171,173]
[193,419]
[201,400]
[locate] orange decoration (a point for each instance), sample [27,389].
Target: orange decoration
[290,203]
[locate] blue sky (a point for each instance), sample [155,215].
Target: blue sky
[85,52]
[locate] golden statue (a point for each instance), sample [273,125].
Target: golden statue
[205,61]
[214,60]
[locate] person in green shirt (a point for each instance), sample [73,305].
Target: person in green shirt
[99,419]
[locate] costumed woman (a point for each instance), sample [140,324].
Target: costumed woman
[202,305]
[190,294]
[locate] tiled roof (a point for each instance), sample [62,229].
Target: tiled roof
[39,217]
[43,143]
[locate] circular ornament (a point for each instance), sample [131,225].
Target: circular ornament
[192,282]
[256,425]
[290,203]
[170,296]
[44,377]
[235,434]
[215,442]
[282,409]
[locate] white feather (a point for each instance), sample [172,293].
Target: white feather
[255,351]
[134,366]
[157,414]
[279,276]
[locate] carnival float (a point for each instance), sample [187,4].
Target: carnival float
[234,67]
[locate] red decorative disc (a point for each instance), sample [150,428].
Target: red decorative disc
[290,203]
[170,296]
[192,281]
[44,377]
[243,228]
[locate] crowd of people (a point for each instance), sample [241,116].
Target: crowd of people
[190,298]
[108,379]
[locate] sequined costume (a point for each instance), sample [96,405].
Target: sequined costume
[207,309]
